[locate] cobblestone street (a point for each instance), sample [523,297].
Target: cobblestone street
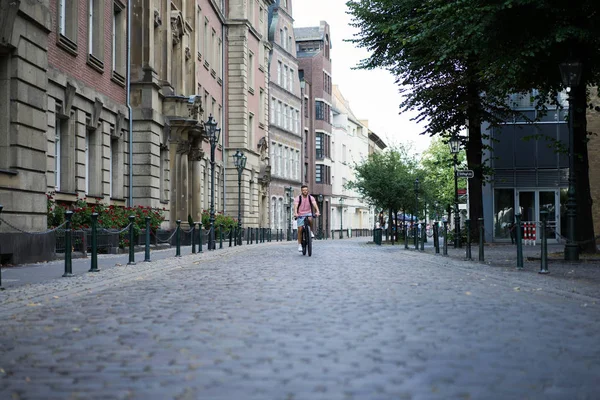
[354,321]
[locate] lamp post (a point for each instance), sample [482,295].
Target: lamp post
[454,143]
[320,199]
[213,136]
[341,217]
[571,76]
[289,193]
[416,212]
[239,160]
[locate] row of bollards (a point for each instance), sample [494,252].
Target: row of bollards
[481,258]
[253,235]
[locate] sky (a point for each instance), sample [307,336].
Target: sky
[372,95]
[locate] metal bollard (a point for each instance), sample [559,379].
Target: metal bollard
[236,233]
[1,207]
[544,255]
[416,235]
[468,246]
[231,236]
[445,253]
[247,235]
[147,246]
[221,236]
[199,237]
[519,243]
[481,248]
[406,237]
[194,238]
[94,261]
[423,236]
[68,249]
[178,239]
[436,237]
[131,248]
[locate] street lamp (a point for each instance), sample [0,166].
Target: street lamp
[341,217]
[454,143]
[320,199]
[571,76]
[213,136]
[416,224]
[289,192]
[239,160]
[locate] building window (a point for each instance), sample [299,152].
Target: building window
[206,43]
[67,24]
[96,34]
[319,110]
[251,72]
[164,174]
[279,72]
[272,110]
[116,168]
[319,145]
[279,113]
[220,59]
[319,173]
[306,172]
[118,43]
[291,82]
[261,106]
[279,167]
[57,144]
[282,38]
[199,32]
[251,131]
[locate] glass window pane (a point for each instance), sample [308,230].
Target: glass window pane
[504,205]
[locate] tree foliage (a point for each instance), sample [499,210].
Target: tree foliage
[386,179]
[457,61]
[438,169]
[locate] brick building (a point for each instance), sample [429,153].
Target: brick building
[63,93]
[313,46]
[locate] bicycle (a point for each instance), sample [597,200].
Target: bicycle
[306,237]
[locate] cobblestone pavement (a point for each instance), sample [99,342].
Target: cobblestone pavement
[355,321]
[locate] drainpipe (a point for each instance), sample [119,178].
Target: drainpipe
[128,100]
[223,105]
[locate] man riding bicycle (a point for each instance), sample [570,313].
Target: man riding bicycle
[303,208]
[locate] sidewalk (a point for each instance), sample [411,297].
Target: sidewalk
[26,274]
[577,277]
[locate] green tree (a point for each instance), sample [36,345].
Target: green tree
[438,166]
[549,33]
[385,179]
[431,49]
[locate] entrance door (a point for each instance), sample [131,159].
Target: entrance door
[531,202]
[549,201]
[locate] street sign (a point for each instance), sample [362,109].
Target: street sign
[464,173]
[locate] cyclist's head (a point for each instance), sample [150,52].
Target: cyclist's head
[304,190]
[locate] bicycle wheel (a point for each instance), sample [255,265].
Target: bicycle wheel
[304,241]
[308,240]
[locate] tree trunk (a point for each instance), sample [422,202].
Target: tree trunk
[584,234]
[474,150]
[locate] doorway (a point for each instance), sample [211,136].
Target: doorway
[531,201]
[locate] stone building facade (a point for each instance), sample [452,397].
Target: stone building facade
[177,72]
[247,124]
[24,41]
[284,114]
[593,125]
[64,119]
